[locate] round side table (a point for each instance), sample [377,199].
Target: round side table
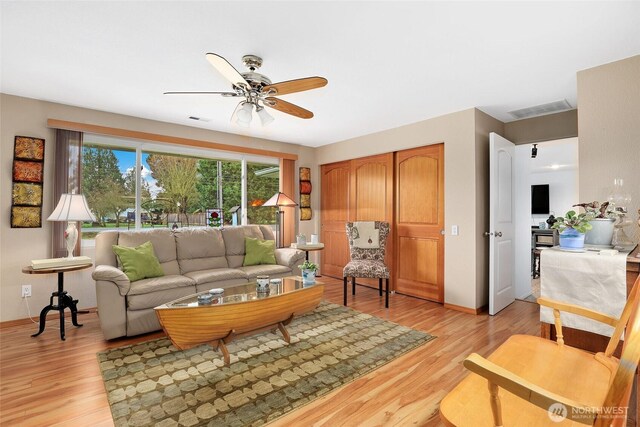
[64,299]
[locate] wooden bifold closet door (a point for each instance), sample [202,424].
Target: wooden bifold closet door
[371,197]
[407,190]
[419,266]
[334,182]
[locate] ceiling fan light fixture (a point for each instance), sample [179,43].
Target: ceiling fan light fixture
[265,117]
[243,114]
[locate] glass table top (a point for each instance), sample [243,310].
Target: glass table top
[242,293]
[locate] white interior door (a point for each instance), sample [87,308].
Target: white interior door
[501,223]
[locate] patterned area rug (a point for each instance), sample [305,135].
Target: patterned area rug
[154,384]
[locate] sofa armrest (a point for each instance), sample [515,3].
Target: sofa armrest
[112,309]
[291,258]
[109,273]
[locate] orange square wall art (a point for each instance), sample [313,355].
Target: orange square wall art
[305,194]
[28,174]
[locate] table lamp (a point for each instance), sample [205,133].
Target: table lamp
[280,200]
[71,208]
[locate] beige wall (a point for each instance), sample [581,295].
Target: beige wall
[28,117]
[544,128]
[484,125]
[609,131]
[457,131]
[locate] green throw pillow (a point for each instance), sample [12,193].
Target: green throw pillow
[138,263]
[259,251]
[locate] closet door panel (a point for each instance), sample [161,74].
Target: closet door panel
[372,198]
[420,220]
[334,209]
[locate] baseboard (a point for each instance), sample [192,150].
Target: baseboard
[466,309]
[52,315]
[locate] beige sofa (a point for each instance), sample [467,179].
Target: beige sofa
[193,260]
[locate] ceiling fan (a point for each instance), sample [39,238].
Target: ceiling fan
[257,90]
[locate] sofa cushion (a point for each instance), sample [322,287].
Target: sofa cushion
[269,270]
[159,297]
[224,284]
[216,275]
[234,242]
[259,252]
[200,249]
[146,286]
[267,232]
[164,246]
[139,262]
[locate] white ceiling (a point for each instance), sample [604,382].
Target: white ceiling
[388,63]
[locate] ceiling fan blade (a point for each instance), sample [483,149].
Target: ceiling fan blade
[287,107]
[202,93]
[298,85]
[227,70]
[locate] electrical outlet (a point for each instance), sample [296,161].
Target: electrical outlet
[26,291]
[454,230]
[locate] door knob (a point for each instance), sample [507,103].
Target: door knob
[498,233]
[487,234]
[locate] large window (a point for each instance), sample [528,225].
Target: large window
[262,183]
[132,185]
[108,183]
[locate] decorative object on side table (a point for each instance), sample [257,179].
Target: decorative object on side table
[71,208]
[28,172]
[603,215]
[622,201]
[572,229]
[309,270]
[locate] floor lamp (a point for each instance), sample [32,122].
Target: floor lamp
[280,200]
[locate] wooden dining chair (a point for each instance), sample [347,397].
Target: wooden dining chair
[532,381]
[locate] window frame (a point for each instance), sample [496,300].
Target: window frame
[140,146]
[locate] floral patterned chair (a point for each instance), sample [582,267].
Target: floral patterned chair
[367,261]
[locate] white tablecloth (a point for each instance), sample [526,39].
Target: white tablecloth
[586,279]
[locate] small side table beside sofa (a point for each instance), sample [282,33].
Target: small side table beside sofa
[64,299]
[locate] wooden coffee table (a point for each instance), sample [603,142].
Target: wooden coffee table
[241,311]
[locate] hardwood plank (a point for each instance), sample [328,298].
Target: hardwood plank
[48,382]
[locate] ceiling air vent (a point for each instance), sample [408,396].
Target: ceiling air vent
[199,119]
[541,110]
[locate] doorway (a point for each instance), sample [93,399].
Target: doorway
[555,165]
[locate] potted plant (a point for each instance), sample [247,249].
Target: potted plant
[603,215]
[309,270]
[572,228]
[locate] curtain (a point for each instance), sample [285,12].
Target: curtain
[67,173]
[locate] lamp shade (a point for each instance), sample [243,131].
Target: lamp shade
[280,199]
[72,207]
[265,118]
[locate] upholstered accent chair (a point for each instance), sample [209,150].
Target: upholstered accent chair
[367,262]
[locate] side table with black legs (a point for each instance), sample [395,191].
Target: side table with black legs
[64,299]
[309,248]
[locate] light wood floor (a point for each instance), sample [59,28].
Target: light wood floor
[47,382]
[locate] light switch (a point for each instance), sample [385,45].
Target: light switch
[454,230]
